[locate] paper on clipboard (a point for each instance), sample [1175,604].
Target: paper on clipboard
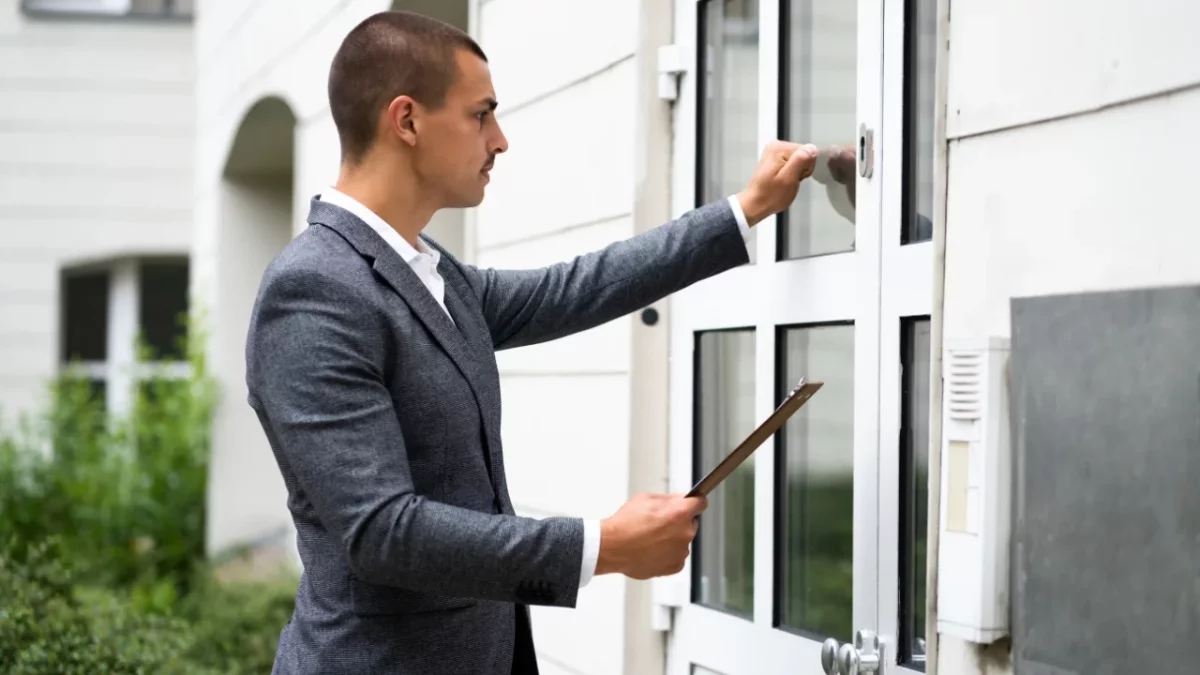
[803,391]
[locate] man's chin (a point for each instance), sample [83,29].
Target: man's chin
[467,201]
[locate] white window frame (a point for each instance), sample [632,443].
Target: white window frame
[120,370]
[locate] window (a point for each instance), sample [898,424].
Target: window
[920,89]
[106,308]
[815,507]
[163,307]
[727,147]
[914,486]
[150,9]
[723,570]
[84,318]
[817,97]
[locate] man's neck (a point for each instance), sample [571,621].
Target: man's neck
[392,197]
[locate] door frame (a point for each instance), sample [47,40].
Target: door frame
[887,282]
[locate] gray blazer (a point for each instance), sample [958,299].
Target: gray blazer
[384,418]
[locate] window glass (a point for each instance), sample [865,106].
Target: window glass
[818,82]
[728,147]
[84,322]
[914,485]
[723,568]
[816,484]
[140,8]
[920,87]
[163,306]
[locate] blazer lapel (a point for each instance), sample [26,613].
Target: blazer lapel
[479,339]
[404,281]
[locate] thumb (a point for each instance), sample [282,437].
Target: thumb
[801,163]
[694,506]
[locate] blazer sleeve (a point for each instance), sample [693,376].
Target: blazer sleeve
[525,307]
[316,378]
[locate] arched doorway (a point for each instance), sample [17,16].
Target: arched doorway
[247,500]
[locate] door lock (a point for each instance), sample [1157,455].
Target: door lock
[864,657]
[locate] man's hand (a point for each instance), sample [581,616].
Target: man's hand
[650,536]
[776,179]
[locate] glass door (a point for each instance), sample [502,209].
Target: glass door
[790,560]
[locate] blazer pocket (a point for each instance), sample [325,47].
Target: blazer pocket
[368,599]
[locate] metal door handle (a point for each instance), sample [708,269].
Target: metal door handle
[829,657]
[864,657]
[866,150]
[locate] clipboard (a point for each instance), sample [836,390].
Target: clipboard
[800,395]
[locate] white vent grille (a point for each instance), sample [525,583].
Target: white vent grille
[964,385]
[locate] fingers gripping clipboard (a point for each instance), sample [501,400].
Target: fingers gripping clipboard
[795,400]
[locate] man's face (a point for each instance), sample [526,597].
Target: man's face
[457,144]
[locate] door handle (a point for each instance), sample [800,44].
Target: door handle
[864,657]
[866,150]
[829,657]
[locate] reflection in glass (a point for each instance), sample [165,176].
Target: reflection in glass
[723,570]
[914,488]
[728,147]
[920,82]
[817,484]
[818,90]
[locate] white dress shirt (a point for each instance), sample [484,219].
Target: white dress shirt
[424,261]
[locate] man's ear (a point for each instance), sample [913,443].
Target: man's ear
[401,115]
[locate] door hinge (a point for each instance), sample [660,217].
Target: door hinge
[670,68]
[667,594]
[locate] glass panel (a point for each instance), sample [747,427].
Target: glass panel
[914,486]
[163,306]
[728,147]
[817,484]
[723,570]
[920,82]
[139,8]
[85,316]
[819,41]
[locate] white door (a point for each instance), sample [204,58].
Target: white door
[819,538]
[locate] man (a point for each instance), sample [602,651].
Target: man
[371,365]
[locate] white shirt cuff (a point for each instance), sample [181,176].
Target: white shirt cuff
[740,215]
[591,551]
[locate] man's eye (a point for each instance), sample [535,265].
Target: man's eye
[483,115]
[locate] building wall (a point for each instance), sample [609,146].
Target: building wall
[565,187]
[96,137]
[265,145]
[1070,166]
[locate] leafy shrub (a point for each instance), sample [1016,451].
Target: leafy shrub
[47,627]
[102,558]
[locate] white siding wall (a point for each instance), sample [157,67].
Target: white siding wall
[567,87]
[95,161]
[1071,165]
[244,53]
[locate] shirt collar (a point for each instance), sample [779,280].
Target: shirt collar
[393,238]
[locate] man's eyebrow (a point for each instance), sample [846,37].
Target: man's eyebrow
[490,102]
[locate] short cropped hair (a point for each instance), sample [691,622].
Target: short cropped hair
[390,54]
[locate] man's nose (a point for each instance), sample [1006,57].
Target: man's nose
[500,144]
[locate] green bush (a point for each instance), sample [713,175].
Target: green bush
[47,625]
[102,557]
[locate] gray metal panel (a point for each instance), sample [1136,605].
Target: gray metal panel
[1106,442]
